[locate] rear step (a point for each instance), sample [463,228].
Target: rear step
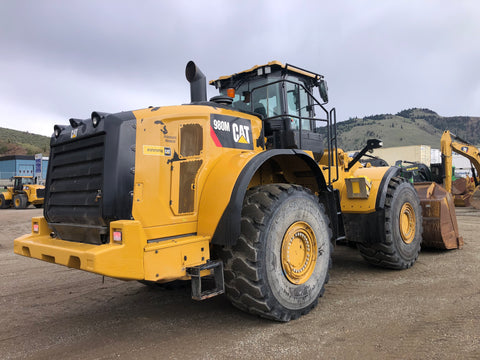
[194,272]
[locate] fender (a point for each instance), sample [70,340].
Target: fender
[227,222]
[7,195]
[368,227]
[382,191]
[380,176]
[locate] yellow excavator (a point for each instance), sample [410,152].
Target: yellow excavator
[248,189]
[438,202]
[471,194]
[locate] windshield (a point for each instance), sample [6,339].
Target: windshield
[282,97]
[257,97]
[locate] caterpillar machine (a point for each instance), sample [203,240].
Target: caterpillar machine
[438,202]
[469,151]
[25,191]
[244,193]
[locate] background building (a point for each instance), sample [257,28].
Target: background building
[20,165]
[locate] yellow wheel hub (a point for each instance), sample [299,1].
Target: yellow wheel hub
[299,252]
[407,223]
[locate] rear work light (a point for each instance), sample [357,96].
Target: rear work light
[36,228]
[117,236]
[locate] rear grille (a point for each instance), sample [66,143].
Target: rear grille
[75,182]
[90,177]
[40,193]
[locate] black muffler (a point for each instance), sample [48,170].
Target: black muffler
[198,82]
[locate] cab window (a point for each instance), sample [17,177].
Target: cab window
[255,96]
[297,105]
[266,100]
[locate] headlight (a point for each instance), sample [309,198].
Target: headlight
[95,119]
[57,130]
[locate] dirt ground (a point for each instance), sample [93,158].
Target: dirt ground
[431,311]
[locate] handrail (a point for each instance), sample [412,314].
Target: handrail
[333,139]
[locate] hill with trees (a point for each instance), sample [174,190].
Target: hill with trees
[14,142]
[407,127]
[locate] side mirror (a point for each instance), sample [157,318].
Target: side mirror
[323,89]
[371,144]
[374,144]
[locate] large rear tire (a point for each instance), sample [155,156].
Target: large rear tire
[402,238]
[279,266]
[4,203]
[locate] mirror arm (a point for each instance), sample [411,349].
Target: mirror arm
[371,144]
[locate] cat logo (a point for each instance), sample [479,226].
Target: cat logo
[241,133]
[73,134]
[231,132]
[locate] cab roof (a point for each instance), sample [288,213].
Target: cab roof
[274,66]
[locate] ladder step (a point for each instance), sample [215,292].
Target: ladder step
[216,271]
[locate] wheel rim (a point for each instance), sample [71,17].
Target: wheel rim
[407,223]
[17,202]
[299,252]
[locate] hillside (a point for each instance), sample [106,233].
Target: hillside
[13,142]
[408,127]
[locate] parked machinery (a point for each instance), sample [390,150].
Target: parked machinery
[23,193]
[248,188]
[465,193]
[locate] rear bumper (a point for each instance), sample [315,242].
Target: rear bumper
[132,259]
[124,261]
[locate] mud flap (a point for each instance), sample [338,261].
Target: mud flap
[440,228]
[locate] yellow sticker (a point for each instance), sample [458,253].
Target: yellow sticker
[156,150]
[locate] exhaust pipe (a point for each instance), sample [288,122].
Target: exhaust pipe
[198,82]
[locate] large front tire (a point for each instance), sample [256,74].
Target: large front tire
[279,266]
[402,238]
[20,201]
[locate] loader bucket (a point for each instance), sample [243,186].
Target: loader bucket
[462,200]
[440,228]
[475,199]
[462,191]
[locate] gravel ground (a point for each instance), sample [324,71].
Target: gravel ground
[431,311]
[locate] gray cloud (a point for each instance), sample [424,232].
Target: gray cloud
[64,59]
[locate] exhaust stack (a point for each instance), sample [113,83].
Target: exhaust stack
[198,82]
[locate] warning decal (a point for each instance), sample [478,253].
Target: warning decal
[231,132]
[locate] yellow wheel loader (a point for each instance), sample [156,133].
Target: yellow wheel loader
[23,193]
[247,189]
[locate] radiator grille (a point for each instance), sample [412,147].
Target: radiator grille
[40,193]
[75,182]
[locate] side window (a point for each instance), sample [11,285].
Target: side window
[297,105]
[266,100]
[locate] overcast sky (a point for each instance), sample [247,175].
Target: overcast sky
[62,59]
